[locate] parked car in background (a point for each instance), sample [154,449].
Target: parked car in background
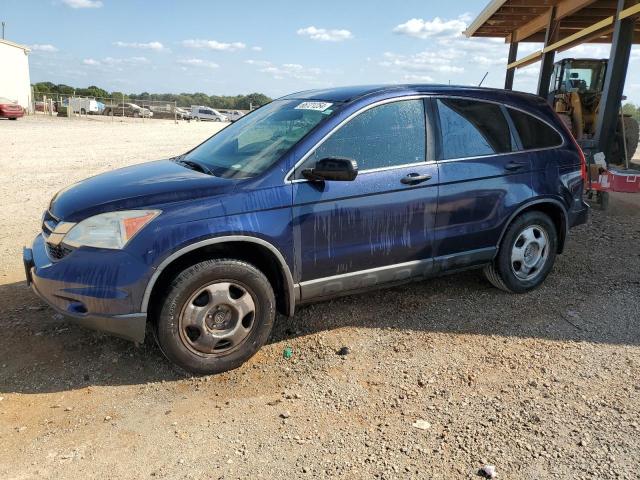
[232,115]
[185,114]
[85,106]
[166,111]
[321,193]
[41,106]
[207,113]
[127,110]
[10,109]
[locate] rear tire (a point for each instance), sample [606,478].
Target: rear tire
[215,316]
[526,254]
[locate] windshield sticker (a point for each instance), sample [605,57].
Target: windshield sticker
[317,106]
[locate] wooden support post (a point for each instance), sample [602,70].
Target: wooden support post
[607,120]
[513,53]
[546,65]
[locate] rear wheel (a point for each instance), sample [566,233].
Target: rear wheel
[13,118]
[526,254]
[215,316]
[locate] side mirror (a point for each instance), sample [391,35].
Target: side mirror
[332,168]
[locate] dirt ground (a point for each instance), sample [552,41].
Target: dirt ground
[543,385]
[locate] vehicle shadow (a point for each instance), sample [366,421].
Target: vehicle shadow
[41,352]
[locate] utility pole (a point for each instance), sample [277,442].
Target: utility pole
[3,30]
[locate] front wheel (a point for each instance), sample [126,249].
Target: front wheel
[215,316]
[526,254]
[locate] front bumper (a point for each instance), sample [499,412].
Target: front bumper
[82,287]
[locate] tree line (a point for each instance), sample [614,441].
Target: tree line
[239,102]
[631,109]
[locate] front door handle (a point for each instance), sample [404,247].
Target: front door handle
[415,178]
[515,165]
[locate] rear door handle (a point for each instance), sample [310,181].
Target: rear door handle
[415,178]
[515,165]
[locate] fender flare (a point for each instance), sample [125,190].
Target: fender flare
[290,287]
[540,201]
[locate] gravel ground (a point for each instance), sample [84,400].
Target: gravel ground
[440,377]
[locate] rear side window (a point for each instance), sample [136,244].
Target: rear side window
[471,128]
[384,136]
[534,133]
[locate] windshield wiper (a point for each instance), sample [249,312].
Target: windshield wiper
[197,166]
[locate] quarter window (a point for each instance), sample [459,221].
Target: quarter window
[472,128]
[534,133]
[384,136]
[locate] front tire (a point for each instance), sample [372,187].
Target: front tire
[526,254]
[215,316]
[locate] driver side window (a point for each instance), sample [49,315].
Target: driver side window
[388,135]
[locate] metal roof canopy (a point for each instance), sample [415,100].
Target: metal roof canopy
[560,25]
[578,21]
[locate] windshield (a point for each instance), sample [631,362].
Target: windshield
[256,141]
[584,76]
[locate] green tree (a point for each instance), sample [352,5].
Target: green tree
[631,109]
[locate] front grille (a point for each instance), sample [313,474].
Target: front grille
[55,252]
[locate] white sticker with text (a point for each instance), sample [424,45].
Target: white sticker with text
[319,106]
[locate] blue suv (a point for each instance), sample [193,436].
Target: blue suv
[317,194]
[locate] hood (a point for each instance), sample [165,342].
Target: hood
[138,186]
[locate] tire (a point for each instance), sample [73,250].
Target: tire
[13,118]
[83,111]
[217,119]
[136,114]
[211,302]
[510,275]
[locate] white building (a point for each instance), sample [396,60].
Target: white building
[15,83]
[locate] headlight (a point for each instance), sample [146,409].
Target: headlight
[109,230]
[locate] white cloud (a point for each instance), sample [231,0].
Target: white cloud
[111,61]
[417,78]
[214,45]
[83,3]
[325,35]
[157,46]
[286,70]
[197,62]
[427,61]
[489,61]
[43,47]
[128,61]
[259,63]
[420,28]
[256,49]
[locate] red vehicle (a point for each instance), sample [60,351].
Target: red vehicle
[9,109]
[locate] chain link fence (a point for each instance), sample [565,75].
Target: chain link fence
[73,106]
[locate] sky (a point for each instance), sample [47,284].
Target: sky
[273,47]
